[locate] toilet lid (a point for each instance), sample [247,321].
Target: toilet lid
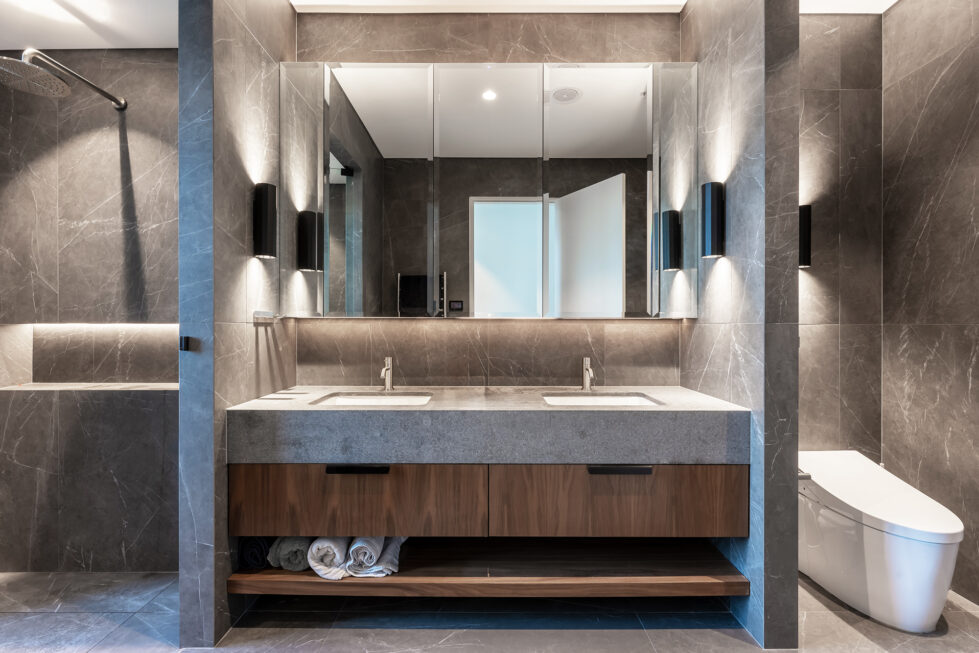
[853,485]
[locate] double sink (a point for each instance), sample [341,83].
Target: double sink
[403,398]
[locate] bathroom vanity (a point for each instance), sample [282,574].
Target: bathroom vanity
[498,465]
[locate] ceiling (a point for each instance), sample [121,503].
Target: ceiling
[609,117]
[87,24]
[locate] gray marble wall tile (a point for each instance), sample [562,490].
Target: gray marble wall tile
[145,353]
[860,206]
[117,508]
[819,179]
[819,51]
[930,409]
[431,352]
[819,387]
[744,345]
[16,354]
[104,353]
[117,190]
[860,383]
[334,352]
[301,133]
[64,352]
[488,37]
[543,353]
[861,60]
[29,196]
[203,603]
[931,170]
[931,158]
[642,353]
[29,481]
[487,352]
[917,31]
[407,204]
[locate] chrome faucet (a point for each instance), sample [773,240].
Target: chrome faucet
[387,374]
[587,374]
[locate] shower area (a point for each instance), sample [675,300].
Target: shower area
[88,333]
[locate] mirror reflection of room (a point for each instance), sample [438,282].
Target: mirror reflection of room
[506,190]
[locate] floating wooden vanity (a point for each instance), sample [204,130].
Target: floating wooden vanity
[480,520]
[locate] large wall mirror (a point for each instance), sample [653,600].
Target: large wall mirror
[488,190]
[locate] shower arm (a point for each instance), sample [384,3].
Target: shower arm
[30,54]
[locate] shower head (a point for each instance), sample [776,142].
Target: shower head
[25,75]
[28,78]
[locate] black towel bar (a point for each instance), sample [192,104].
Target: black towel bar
[620,470]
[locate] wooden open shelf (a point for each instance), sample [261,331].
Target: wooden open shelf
[535,567]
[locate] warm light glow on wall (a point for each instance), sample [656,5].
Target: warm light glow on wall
[720,160]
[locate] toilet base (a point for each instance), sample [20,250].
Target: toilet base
[900,582]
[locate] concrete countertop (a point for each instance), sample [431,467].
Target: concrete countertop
[489,425]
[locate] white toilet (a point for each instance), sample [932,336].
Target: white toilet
[876,543]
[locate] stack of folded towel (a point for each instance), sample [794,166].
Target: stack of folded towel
[334,558]
[290,553]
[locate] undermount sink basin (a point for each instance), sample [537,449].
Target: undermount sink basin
[374,399]
[601,399]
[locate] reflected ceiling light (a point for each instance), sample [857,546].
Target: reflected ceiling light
[566,95]
[805,236]
[264,221]
[712,216]
[489,95]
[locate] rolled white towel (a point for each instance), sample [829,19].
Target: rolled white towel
[368,563]
[328,557]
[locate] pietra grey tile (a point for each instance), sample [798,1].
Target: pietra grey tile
[918,31]
[56,633]
[167,601]
[79,591]
[16,354]
[334,352]
[642,352]
[819,51]
[530,352]
[29,487]
[127,353]
[861,57]
[860,206]
[860,376]
[145,633]
[819,387]
[64,353]
[118,481]
[431,352]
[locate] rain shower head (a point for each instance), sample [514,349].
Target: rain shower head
[26,76]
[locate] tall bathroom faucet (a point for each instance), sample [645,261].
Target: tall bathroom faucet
[587,374]
[387,373]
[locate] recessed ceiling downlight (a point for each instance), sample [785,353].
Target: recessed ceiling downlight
[566,95]
[489,95]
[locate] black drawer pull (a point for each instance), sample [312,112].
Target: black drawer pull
[358,469]
[620,470]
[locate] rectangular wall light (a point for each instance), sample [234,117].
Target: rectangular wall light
[805,236]
[712,216]
[309,241]
[264,221]
[672,240]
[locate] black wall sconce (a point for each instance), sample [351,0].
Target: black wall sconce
[712,207]
[672,241]
[805,236]
[264,221]
[309,241]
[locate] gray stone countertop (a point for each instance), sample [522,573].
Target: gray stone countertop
[492,425]
[50,387]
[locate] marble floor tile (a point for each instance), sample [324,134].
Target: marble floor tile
[167,601]
[80,591]
[144,632]
[55,633]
